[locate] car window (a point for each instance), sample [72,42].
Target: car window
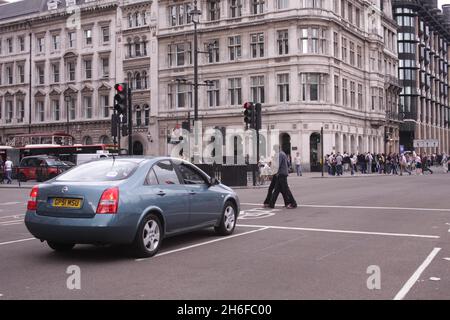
[24,163]
[54,162]
[151,178]
[190,175]
[103,170]
[165,173]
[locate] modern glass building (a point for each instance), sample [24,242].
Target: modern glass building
[423,50]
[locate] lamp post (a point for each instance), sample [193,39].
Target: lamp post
[67,99]
[195,19]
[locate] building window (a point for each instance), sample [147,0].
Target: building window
[144,80]
[21,72]
[72,38]
[55,42]
[235,8]
[146,115]
[344,49]
[213,94]
[374,97]
[55,68]
[105,34]
[257,89]
[9,43]
[381,99]
[138,115]
[257,45]
[71,70]
[352,53]
[40,111]
[352,94]
[21,43]
[9,75]
[138,81]
[282,4]
[180,96]
[213,10]
[55,110]
[313,87]
[41,44]
[257,6]
[343,9]
[88,69]
[179,54]
[104,103]
[283,87]
[336,89]
[283,42]
[359,57]
[350,12]
[310,3]
[344,92]
[234,47]
[360,96]
[87,107]
[72,108]
[41,74]
[180,14]
[358,17]
[88,37]
[335,45]
[234,91]
[9,111]
[20,110]
[212,48]
[313,40]
[105,67]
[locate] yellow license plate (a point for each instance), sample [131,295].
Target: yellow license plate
[67,203]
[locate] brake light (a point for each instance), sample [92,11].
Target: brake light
[32,203]
[109,201]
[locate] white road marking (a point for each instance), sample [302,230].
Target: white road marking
[435,279]
[6,222]
[354,207]
[342,231]
[17,216]
[15,241]
[410,283]
[10,224]
[203,243]
[9,203]
[448,259]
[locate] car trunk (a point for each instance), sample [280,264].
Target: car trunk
[70,199]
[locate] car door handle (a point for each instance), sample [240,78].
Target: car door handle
[161,193]
[192,192]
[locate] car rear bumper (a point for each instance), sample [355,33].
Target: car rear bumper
[101,229]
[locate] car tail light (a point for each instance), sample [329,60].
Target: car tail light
[32,203]
[109,201]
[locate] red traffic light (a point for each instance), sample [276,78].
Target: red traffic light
[119,87]
[247,105]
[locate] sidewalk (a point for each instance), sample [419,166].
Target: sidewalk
[15,185]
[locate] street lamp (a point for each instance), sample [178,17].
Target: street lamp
[195,19]
[67,99]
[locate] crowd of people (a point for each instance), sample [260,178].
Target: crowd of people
[393,163]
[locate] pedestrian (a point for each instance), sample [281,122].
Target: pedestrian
[339,161]
[8,170]
[298,167]
[281,184]
[404,164]
[353,160]
[444,163]
[426,164]
[1,170]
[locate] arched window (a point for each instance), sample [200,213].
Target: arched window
[137,20]
[87,140]
[144,18]
[130,21]
[138,80]
[130,80]
[138,115]
[144,80]
[137,47]
[105,140]
[146,114]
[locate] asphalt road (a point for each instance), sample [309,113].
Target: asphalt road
[377,237]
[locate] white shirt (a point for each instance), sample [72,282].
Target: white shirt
[8,165]
[297,160]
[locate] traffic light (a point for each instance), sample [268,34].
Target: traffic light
[249,114]
[258,122]
[121,98]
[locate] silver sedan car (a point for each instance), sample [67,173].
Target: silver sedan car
[129,200]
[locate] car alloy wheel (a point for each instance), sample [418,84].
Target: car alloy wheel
[151,235]
[228,220]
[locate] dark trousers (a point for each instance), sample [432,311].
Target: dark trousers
[273,183]
[282,186]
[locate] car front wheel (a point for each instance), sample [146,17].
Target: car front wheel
[228,221]
[149,237]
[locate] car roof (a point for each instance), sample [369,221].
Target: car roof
[41,157]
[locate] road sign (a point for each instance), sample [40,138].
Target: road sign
[426,143]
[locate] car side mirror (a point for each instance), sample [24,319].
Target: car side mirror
[213,181]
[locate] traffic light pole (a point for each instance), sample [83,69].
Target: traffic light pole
[130,124]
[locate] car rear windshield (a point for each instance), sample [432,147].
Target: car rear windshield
[103,170]
[54,162]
